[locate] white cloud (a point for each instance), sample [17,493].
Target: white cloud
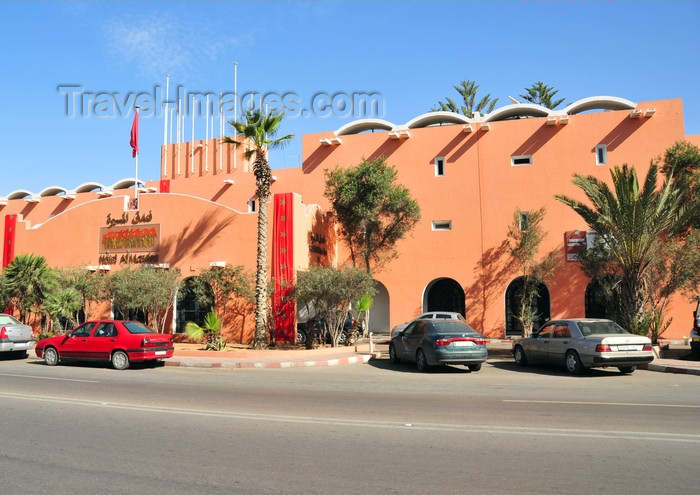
[163,44]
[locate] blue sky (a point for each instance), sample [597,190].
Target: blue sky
[410,52]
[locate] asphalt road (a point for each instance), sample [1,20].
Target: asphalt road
[365,428]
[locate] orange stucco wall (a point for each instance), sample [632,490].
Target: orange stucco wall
[481,190]
[205,216]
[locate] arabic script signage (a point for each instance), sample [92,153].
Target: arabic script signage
[124,219]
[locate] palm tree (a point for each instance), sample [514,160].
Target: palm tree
[28,280]
[211,330]
[467,90]
[681,163]
[633,225]
[259,130]
[541,94]
[64,302]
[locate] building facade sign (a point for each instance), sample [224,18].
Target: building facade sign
[574,243]
[141,239]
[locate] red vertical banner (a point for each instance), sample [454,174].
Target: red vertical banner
[134,136]
[8,251]
[164,186]
[283,267]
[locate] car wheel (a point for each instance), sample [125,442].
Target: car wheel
[343,338]
[475,367]
[519,355]
[50,356]
[301,337]
[573,363]
[421,362]
[120,360]
[392,354]
[626,370]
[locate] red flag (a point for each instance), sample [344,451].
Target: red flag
[135,135]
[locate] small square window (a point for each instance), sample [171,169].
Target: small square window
[439,166]
[442,224]
[518,161]
[601,154]
[252,205]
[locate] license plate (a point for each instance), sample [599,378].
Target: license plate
[696,339]
[160,353]
[463,343]
[629,347]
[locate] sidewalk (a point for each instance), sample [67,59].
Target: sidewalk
[675,360]
[192,356]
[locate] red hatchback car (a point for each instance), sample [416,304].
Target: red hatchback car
[116,341]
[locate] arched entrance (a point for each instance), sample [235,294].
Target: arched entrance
[603,297]
[189,307]
[540,305]
[379,314]
[444,294]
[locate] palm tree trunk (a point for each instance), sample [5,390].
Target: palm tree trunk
[632,298]
[260,341]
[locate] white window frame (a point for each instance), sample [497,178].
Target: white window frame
[601,154]
[441,225]
[439,166]
[252,205]
[521,159]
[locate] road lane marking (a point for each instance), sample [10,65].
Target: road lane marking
[587,403]
[50,378]
[316,421]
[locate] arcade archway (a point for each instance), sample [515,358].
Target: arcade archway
[189,307]
[444,294]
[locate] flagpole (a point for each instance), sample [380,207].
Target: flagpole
[192,145]
[221,131]
[164,105]
[179,132]
[136,172]
[206,139]
[235,110]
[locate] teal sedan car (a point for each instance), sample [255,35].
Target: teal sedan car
[436,342]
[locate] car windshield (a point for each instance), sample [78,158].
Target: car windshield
[134,327]
[600,327]
[8,320]
[452,326]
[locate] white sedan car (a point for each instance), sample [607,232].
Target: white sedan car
[430,315]
[582,343]
[15,337]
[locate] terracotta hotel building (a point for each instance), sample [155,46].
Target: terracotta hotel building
[468,175]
